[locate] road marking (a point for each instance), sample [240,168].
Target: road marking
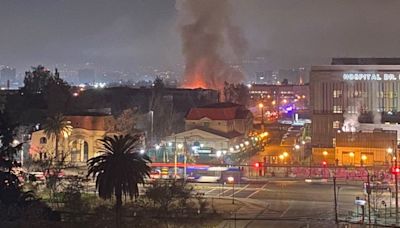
[241,189]
[257,191]
[285,211]
[253,194]
[210,191]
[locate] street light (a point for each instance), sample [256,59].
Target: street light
[351,154]
[297,147]
[363,159]
[141,151]
[285,154]
[232,180]
[261,106]
[178,146]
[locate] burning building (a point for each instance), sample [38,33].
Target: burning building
[350,94]
[206,32]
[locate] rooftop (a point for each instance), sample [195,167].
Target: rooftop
[218,111]
[365,61]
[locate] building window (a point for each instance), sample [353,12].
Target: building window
[337,109]
[352,109]
[334,142]
[206,124]
[336,124]
[43,140]
[337,93]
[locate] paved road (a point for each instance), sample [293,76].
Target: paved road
[285,203]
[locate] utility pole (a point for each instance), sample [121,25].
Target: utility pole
[369,198]
[396,186]
[334,192]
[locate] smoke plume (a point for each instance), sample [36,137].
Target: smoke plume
[206,30]
[351,115]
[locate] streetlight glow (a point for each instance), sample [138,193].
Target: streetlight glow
[364,157]
[260,105]
[180,146]
[297,147]
[285,154]
[389,150]
[325,153]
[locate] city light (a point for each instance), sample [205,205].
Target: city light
[180,146]
[363,157]
[169,144]
[142,151]
[260,105]
[351,154]
[297,147]
[218,154]
[281,157]
[285,154]
[389,150]
[325,153]
[157,147]
[231,149]
[246,143]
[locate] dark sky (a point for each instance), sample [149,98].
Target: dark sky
[126,33]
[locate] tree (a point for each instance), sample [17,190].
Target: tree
[236,93]
[53,89]
[168,195]
[55,127]
[126,122]
[14,202]
[119,169]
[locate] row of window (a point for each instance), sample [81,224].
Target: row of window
[356,93]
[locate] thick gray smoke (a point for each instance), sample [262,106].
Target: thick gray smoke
[206,30]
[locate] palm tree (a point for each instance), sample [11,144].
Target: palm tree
[119,169]
[56,127]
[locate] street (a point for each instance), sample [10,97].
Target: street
[284,203]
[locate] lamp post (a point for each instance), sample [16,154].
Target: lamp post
[363,159]
[232,180]
[157,147]
[324,153]
[351,154]
[179,146]
[261,106]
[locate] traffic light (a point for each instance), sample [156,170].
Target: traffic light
[395,170]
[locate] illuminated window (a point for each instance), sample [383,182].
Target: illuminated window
[336,124]
[352,109]
[337,93]
[337,109]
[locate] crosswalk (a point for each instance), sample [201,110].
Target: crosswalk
[242,191]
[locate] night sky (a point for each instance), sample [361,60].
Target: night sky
[127,33]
